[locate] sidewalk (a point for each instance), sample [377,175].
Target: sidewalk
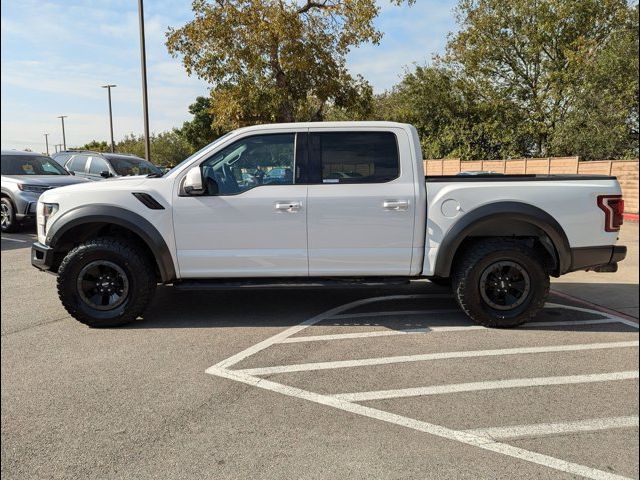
[617,291]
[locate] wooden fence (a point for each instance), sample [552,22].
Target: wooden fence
[625,170]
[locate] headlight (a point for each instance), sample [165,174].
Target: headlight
[33,188]
[46,212]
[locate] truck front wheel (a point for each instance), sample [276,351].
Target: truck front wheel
[106,282]
[501,283]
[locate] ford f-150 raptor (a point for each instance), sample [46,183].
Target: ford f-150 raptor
[321,203]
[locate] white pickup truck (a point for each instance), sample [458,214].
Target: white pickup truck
[323,203]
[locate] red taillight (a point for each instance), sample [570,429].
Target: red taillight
[613,208]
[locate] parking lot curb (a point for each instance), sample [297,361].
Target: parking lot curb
[594,306]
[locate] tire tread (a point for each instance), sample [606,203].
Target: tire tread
[140,298]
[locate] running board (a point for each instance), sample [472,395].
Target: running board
[258,283]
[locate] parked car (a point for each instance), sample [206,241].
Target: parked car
[278,175]
[25,175]
[98,165]
[498,238]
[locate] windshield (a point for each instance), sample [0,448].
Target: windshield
[30,165]
[133,166]
[217,140]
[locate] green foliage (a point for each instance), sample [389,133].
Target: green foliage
[276,60]
[523,78]
[568,71]
[167,148]
[603,122]
[450,117]
[95,146]
[200,131]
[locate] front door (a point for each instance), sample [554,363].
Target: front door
[252,220]
[361,207]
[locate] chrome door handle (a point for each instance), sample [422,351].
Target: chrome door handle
[395,205]
[288,206]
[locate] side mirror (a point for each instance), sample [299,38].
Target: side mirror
[71,172]
[193,182]
[105,174]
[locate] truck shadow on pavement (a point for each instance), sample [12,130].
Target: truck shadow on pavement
[286,307]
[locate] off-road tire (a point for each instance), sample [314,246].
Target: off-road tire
[12,224]
[481,255]
[139,271]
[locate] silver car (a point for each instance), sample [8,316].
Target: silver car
[25,175]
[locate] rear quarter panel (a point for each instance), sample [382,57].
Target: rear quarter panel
[571,202]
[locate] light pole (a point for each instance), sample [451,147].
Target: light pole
[109,87]
[46,141]
[64,139]
[145,99]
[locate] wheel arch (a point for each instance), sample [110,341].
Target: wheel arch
[90,221]
[510,220]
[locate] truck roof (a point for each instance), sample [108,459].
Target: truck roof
[352,124]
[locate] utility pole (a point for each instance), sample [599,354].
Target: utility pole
[145,98]
[46,141]
[109,87]
[64,139]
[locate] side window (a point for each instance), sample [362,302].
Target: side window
[62,158]
[97,166]
[77,164]
[249,163]
[357,157]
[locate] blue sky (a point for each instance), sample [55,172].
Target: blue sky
[57,53]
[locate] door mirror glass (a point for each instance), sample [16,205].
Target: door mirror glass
[105,174]
[193,182]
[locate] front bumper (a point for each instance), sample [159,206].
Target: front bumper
[26,210]
[599,259]
[42,256]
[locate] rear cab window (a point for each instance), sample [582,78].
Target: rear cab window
[355,157]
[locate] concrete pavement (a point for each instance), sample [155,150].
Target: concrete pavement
[617,291]
[423,392]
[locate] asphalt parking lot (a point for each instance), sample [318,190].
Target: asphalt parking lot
[320,384]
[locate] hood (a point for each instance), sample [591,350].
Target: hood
[113,183]
[46,180]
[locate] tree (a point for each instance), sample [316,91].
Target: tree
[450,118]
[603,122]
[95,145]
[199,131]
[276,60]
[540,57]
[167,148]
[170,148]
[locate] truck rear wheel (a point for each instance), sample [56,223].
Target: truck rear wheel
[106,282]
[501,283]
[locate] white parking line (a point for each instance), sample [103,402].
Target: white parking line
[221,369]
[14,240]
[437,329]
[488,385]
[483,442]
[229,362]
[303,367]
[396,313]
[592,425]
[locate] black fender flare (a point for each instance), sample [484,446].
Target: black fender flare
[504,212]
[110,214]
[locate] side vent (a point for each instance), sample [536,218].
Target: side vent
[148,201]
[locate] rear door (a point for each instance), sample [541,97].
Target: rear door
[361,203]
